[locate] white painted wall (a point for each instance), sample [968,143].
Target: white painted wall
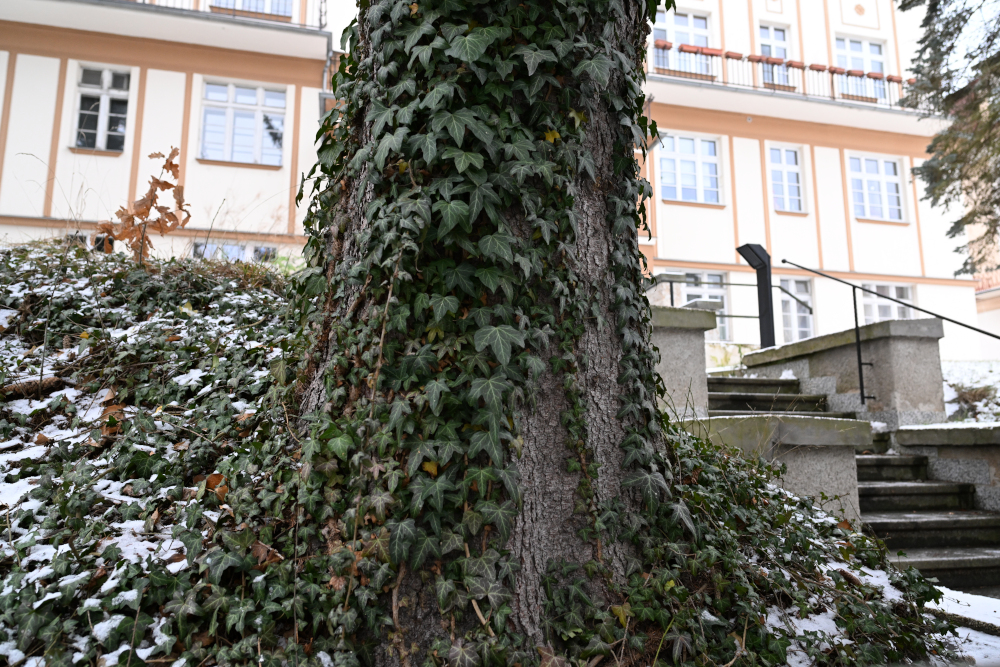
[29,136]
[162,123]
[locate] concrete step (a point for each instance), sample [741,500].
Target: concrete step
[887,468]
[752,385]
[914,495]
[960,528]
[766,402]
[958,567]
[779,413]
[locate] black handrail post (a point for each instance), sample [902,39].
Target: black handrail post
[671,283]
[857,343]
[760,261]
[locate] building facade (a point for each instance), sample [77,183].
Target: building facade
[780,125]
[90,88]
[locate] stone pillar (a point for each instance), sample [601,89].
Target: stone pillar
[679,333]
[904,376]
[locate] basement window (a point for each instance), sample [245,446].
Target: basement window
[102,109]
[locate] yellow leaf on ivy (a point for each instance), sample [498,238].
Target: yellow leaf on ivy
[430,467]
[186,308]
[85,335]
[622,612]
[578,117]
[551,136]
[403,164]
[413,9]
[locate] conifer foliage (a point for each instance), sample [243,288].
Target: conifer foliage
[957,72]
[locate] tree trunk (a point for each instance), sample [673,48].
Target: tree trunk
[564,412]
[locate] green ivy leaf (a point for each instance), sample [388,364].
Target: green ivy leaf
[219,561]
[453,213]
[380,116]
[497,246]
[434,389]
[598,68]
[426,144]
[460,655]
[649,484]
[390,143]
[425,546]
[444,588]
[533,56]
[238,614]
[487,441]
[401,536]
[501,516]
[510,478]
[469,48]
[340,446]
[499,339]
[463,160]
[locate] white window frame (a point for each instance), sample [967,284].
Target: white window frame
[875,309]
[785,176]
[771,47]
[231,107]
[864,185]
[665,26]
[850,59]
[265,6]
[670,162]
[796,319]
[710,286]
[106,94]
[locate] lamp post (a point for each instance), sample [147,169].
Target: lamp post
[760,261]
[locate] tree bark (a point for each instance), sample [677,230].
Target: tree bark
[547,527]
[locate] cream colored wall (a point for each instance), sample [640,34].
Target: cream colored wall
[737,19]
[829,198]
[958,303]
[162,123]
[749,193]
[91,186]
[309,124]
[29,133]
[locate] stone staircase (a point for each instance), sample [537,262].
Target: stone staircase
[735,396]
[934,522]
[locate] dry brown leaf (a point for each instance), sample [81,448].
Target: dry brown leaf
[42,439]
[213,481]
[171,339]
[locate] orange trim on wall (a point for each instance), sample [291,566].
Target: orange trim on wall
[767,197]
[159,54]
[815,195]
[875,221]
[696,204]
[722,40]
[185,126]
[133,177]
[779,269]
[303,12]
[798,19]
[732,190]
[916,218]
[847,209]
[8,91]
[56,139]
[294,171]
[768,128]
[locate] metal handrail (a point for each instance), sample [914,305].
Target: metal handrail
[857,327]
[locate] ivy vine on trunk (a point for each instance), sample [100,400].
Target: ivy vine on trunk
[481,377]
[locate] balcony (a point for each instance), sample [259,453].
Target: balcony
[788,77]
[280,11]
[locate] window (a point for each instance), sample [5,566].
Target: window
[232,253]
[681,29]
[279,7]
[710,287]
[786,179]
[103,109]
[875,188]
[774,44]
[796,309]
[264,253]
[865,56]
[878,309]
[242,124]
[689,169]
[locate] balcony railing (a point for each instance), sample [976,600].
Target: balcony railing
[791,77]
[281,11]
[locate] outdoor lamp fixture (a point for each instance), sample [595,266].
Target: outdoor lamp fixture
[760,261]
